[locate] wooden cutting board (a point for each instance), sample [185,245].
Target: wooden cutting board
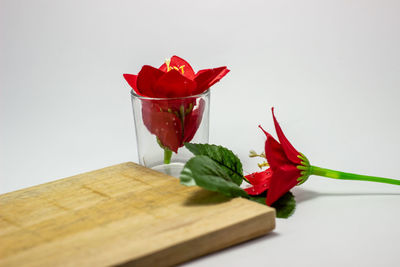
[123,214]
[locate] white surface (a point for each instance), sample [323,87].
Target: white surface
[331,69]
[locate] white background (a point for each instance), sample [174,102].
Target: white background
[330,68]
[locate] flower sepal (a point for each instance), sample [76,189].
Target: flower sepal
[305,167]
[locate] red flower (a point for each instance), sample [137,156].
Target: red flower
[284,172]
[175,78]
[173,116]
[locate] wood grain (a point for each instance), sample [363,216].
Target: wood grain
[122,215]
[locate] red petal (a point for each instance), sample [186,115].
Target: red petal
[260,181]
[290,151]
[165,125]
[131,79]
[206,78]
[255,190]
[193,121]
[178,62]
[274,152]
[283,179]
[258,178]
[174,84]
[147,79]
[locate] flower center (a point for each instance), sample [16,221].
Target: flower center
[169,67]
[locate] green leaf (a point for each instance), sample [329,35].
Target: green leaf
[223,156]
[186,177]
[209,174]
[258,199]
[285,205]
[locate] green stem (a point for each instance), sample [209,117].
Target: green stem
[350,176]
[167,156]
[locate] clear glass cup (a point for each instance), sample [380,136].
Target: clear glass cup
[163,125]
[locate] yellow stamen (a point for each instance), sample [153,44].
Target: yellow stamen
[254,154]
[167,62]
[264,164]
[169,67]
[181,67]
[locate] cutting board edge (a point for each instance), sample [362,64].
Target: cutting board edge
[177,255]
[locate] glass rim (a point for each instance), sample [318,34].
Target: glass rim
[133,93]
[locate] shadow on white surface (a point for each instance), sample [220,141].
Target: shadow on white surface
[303,195]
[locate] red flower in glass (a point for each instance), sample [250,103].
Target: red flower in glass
[283,173]
[168,110]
